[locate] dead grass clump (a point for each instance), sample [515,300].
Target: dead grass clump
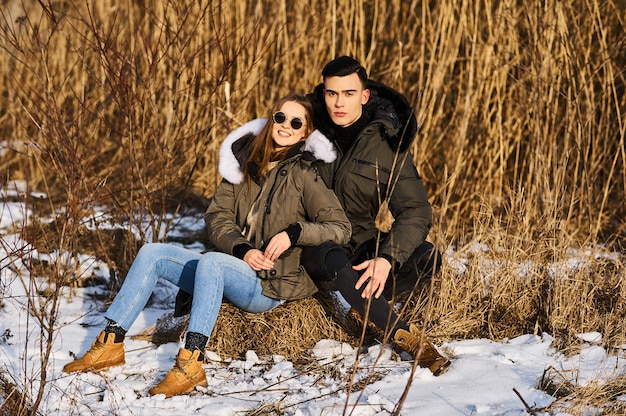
[168,328]
[495,289]
[591,297]
[14,402]
[267,409]
[116,247]
[457,309]
[556,383]
[289,330]
[603,396]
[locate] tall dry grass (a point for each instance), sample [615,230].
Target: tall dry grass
[521,106]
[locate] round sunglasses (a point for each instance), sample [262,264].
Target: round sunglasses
[279,118]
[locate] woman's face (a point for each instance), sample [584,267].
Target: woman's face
[284,131]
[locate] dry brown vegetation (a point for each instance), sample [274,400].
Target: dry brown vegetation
[291,330]
[521,106]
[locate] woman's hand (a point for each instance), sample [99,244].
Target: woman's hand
[277,246]
[257,260]
[260,260]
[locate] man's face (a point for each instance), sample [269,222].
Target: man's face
[344,97]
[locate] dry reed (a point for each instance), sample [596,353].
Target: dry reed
[520,107]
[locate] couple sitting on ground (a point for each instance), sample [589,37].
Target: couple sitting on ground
[279,231]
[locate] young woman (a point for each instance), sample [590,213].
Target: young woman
[269,205]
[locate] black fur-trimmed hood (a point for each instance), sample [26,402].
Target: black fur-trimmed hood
[236,146]
[386,106]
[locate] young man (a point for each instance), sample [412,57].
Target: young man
[372,127]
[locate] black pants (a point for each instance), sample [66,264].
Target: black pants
[330,266]
[417,270]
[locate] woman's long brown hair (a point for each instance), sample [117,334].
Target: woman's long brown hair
[263,149]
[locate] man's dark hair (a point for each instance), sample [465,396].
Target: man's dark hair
[345,65]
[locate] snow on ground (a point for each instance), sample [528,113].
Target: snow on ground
[486,377]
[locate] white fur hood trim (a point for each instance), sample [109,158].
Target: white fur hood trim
[229,167]
[320,147]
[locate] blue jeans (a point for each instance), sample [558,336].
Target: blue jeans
[209,277]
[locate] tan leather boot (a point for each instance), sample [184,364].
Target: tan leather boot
[104,353]
[421,349]
[184,377]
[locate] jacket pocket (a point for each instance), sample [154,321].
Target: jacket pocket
[294,285]
[372,171]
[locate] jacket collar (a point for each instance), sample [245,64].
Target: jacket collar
[236,145]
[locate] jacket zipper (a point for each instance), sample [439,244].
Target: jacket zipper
[268,201]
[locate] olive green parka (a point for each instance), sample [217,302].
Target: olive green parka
[292,193]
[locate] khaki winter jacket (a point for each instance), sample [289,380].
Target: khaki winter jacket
[378,167]
[293,193]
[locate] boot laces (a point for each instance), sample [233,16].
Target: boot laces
[98,348]
[182,367]
[409,342]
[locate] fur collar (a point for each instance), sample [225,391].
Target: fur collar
[230,166]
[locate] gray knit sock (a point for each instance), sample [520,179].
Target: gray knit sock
[196,341]
[113,328]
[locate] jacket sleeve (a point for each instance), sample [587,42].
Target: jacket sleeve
[411,210]
[327,220]
[221,219]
